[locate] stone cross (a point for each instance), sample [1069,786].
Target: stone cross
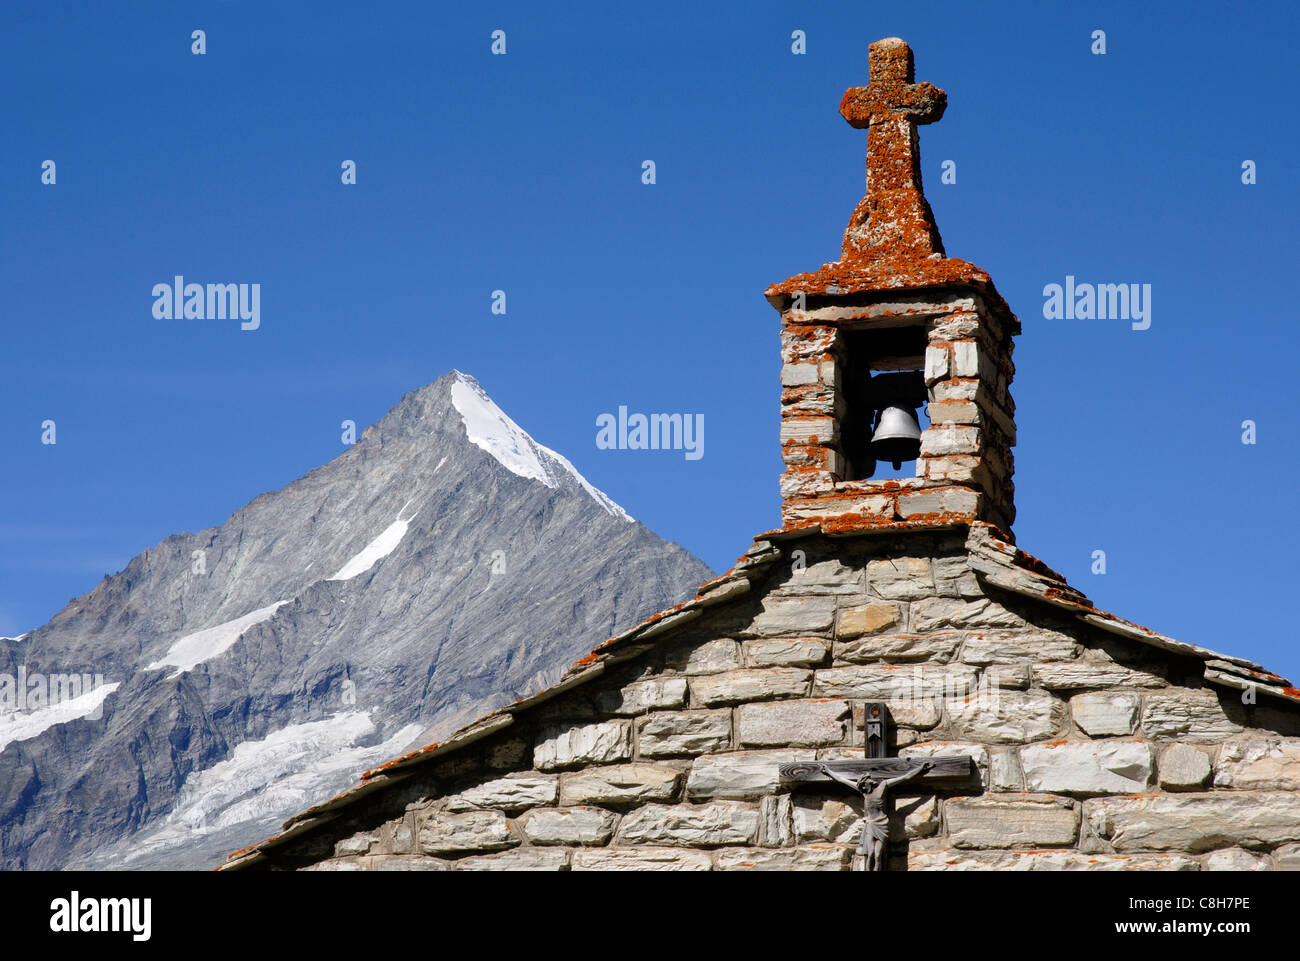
[875,776]
[893,221]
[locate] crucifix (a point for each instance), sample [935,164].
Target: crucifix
[893,221]
[876,776]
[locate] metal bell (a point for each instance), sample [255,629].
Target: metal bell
[897,436]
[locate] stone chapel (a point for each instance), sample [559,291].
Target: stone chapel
[886,682]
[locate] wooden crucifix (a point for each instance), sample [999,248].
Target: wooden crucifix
[893,221]
[875,776]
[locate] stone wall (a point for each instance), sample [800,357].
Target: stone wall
[1093,752]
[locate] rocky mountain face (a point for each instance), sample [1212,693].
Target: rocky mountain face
[442,566]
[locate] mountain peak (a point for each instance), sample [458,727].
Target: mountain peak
[487,426]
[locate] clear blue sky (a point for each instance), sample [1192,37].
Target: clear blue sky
[523,173]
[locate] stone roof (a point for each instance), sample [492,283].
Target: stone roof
[996,562]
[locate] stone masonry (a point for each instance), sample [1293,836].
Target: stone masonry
[1094,750]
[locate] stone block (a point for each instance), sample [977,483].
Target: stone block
[1259,765]
[1183,768]
[934,613]
[1081,674]
[939,646]
[714,824]
[638,697]
[943,500]
[706,657]
[672,733]
[447,833]
[1104,715]
[1235,859]
[1045,861]
[887,682]
[1196,823]
[786,652]
[1015,647]
[513,793]
[641,859]
[793,723]
[821,857]
[524,859]
[564,746]
[569,825]
[901,578]
[620,784]
[751,684]
[1023,821]
[1189,715]
[815,818]
[1087,767]
[793,615]
[854,622]
[741,774]
[1007,717]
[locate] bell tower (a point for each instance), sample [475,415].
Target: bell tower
[893,331]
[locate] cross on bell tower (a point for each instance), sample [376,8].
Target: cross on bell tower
[893,334]
[893,220]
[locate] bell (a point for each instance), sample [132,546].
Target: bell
[897,436]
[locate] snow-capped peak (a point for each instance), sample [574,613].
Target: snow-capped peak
[488,427]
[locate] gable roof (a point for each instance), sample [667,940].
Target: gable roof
[996,562]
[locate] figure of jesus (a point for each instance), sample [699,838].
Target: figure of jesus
[875,794]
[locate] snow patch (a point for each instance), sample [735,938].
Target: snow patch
[376,550]
[193,649]
[488,427]
[20,726]
[288,770]
[15,639]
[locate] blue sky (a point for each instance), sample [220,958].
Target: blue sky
[523,173]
